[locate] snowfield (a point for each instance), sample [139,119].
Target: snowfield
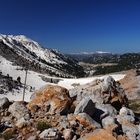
[68,83]
[34,80]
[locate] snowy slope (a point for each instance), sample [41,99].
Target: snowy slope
[68,83]
[34,79]
[16,41]
[24,51]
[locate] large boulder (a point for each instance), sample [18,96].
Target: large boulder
[19,110]
[52,98]
[4,103]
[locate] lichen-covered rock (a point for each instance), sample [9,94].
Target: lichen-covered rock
[55,98]
[19,110]
[99,134]
[86,120]
[4,103]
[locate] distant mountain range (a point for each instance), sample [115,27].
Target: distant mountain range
[105,62]
[83,56]
[25,52]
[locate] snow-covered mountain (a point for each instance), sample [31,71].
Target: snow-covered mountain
[90,53]
[24,52]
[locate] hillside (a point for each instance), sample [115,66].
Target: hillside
[24,52]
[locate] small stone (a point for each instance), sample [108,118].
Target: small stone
[86,120]
[52,133]
[19,110]
[32,138]
[21,123]
[125,111]
[4,103]
[108,121]
[68,134]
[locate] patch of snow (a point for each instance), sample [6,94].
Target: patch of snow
[68,83]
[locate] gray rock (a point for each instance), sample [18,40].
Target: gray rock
[107,83]
[4,103]
[73,123]
[32,138]
[126,114]
[68,134]
[107,109]
[51,133]
[126,111]
[22,122]
[131,131]
[87,106]
[88,119]
[108,121]
[64,123]
[19,110]
[138,127]
[125,118]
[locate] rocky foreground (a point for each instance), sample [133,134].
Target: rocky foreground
[96,111]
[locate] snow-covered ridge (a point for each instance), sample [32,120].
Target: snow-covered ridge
[90,53]
[33,46]
[22,50]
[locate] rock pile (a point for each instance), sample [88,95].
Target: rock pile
[96,111]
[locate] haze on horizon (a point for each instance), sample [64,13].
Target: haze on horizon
[75,25]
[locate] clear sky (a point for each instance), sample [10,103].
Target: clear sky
[75,25]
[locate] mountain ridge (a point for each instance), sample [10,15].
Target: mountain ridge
[33,54]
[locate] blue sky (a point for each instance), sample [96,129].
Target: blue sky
[75,25]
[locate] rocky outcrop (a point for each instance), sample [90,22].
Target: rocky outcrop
[95,111]
[105,91]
